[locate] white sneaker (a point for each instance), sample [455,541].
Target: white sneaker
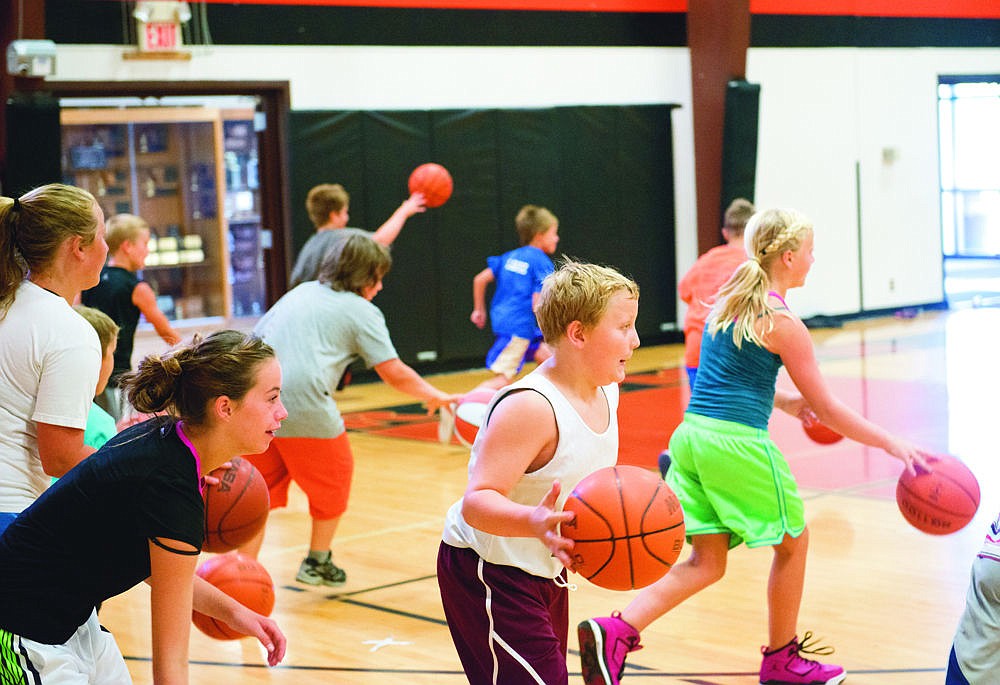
[446,424]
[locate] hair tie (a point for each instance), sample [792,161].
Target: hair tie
[17,205]
[171,366]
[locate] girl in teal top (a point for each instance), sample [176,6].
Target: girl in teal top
[734,484]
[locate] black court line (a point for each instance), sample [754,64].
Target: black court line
[418,579]
[694,678]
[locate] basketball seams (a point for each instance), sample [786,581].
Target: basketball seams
[941,502]
[614,549]
[625,522]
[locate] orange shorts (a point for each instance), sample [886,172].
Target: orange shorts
[322,467]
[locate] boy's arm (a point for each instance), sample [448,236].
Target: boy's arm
[506,452]
[60,448]
[685,287]
[479,285]
[388,231]
[402,377]
[144,298]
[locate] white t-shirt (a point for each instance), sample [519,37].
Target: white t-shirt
[50,358]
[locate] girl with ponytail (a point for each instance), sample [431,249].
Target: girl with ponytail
[133,512]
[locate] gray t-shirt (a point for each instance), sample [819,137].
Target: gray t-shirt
[977,640]
[308,262]
[316,332]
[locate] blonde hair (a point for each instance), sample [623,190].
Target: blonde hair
[107,329]
[532,220]
[737,215]
[122,228]
[32,228]
[578,291]
[742,301]
[185,379]
[325,199]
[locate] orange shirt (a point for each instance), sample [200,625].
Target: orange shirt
[698,288]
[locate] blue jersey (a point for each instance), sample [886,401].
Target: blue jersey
[519,274]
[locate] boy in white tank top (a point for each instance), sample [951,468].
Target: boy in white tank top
[502,560]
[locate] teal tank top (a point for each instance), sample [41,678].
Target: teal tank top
[734,384]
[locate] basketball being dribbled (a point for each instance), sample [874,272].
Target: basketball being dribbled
[939,502]
[242,578]
[236,508]
[470,414]
[820,432]
[629,527]
[434,181]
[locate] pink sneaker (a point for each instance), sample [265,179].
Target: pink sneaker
[785,666]
[604,642]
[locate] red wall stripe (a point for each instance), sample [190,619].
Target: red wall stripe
[953,9]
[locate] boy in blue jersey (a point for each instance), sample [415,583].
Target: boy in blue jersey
[518,275]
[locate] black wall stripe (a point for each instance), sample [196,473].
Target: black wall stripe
[87,21]
[787,31]
[83,21]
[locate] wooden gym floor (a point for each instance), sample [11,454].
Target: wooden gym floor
[885,595]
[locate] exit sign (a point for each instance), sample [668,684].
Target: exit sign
[160,36]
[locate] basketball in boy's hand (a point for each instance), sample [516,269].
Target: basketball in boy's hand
[629,527]
[939,502]
[434,181]
[820,432]
[235,508]
[242,578]
[469,415]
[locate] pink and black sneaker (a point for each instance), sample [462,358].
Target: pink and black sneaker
[604,642]
[786,666]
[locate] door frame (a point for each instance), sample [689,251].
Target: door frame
[274,100]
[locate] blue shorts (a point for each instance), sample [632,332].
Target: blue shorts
[509,353]
[503,620]
[5,520]
[954,676]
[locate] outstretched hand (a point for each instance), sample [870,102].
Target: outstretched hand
[912,456]
[414,204]
[545,521]
[266,631]
[443,403]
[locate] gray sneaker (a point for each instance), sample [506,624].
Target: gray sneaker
[313,572]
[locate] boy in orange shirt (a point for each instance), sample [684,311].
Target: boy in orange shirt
[700,284]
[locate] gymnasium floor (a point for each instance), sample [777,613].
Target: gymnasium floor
[885,595]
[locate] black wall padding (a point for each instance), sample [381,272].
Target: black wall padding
[34,148]
[739,142]
[605,172]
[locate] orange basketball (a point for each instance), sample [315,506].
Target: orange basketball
[820,432]
[939,502]
[434,181]
[629,527]
[243,579]
[470,414]
[235,509]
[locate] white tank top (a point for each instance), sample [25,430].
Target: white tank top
[580,452]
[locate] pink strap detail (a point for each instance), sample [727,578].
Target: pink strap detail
[774,294]
[197,459]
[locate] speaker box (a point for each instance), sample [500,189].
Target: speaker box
[34,155]
[739,142]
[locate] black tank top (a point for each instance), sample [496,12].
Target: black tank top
[113,296]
